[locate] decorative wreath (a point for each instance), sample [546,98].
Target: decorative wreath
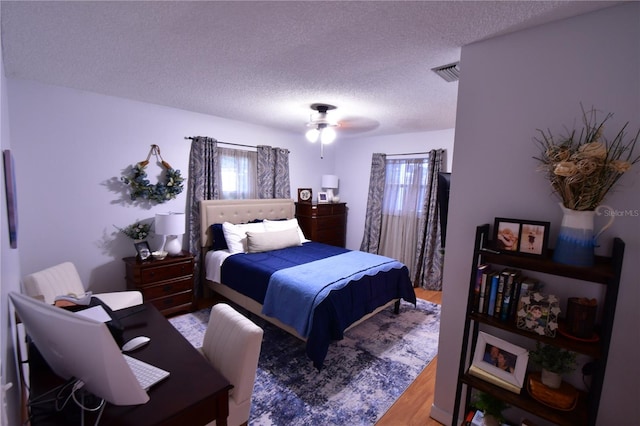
[161,191]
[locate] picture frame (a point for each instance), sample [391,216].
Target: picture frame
[323,197]
[143,250]
[500,360]
[11,196]
[538,313]
[521,237]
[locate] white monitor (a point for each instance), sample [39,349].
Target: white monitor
[81,348]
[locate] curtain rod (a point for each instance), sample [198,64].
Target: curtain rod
[408,153]
[226,143]
[230,143]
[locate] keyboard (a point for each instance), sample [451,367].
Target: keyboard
[147,374]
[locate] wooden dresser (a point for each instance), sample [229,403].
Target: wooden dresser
[324,223]
[167,283]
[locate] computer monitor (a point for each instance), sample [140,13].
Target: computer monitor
[78,347]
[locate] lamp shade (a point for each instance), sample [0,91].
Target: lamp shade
[170,223]
[330,181]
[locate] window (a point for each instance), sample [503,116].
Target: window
[402,206]
[238,169]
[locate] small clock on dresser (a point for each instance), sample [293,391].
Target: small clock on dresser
[305,195]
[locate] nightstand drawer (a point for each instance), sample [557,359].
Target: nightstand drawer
[153,275]
[167,288]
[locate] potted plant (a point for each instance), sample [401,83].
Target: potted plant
[491,407]
[554,362]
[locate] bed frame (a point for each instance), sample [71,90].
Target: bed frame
[243,211]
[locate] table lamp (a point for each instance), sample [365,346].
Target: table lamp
[170,226]
[330,182]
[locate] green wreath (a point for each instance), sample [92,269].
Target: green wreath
[140,187]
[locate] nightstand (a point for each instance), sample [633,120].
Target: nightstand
[323,223]
[166,283]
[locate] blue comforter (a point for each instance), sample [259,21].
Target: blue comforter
[293,293]
[343,299]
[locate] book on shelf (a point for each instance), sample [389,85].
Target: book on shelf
[493,291]
[485,284]
[478,284]
[508,294]
[488,377]
[500,294]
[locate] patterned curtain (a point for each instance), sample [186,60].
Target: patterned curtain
[203,185]
[429,259]
[273,172]
[373,215]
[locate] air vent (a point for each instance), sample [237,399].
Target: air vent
[449,72]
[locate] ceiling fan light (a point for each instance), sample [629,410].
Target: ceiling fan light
[312,135]
[327,135]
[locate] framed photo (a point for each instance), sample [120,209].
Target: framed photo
[518,236]
[144,252]
[538,313]
[322,197]
[305,195]
[534,238]
[500,359]
[12,202]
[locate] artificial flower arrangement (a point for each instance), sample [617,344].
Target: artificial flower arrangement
[583,166]
[136,231]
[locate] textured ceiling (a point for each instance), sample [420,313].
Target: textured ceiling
[266,62]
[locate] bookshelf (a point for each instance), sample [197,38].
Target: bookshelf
[606,271]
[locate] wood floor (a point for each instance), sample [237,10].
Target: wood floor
[414,405]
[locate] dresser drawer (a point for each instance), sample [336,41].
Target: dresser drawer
[175,300]
[167,288]
[153,275]
[330,223]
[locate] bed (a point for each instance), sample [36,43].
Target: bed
[340,288]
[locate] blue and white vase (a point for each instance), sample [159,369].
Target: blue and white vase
[576,241]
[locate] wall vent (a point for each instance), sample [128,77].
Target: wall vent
[449,72]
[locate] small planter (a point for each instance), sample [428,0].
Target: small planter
[551,379]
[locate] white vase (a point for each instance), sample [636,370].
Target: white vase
[550,379]
[576,241]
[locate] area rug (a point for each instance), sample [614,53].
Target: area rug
[362,377]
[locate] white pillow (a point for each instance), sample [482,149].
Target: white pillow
[272,240]
[236,235]
[280,225]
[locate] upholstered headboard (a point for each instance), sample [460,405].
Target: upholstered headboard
[241,211]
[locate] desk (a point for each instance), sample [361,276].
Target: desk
[194,393]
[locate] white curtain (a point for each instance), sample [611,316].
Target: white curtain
[403,202]
[238,171]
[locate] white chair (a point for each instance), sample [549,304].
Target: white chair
[63,279]
[232,345]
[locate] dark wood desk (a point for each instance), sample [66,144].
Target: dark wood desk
[194,393]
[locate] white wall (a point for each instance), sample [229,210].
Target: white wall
[71,148]
[353,167]
[509,87]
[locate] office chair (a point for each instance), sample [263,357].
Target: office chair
[232,345]
[63,279]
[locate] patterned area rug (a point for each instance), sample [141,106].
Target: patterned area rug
[362,377]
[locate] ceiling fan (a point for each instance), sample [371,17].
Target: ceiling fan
[323,128]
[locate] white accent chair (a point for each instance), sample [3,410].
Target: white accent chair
[63,279]
[232,345]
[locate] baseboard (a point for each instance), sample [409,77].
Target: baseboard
[441,416]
